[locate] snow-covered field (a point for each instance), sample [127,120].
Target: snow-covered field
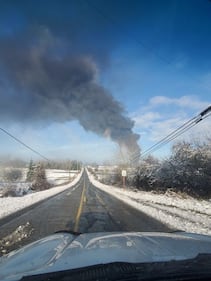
[19,187]
[57,177]
[54,177]
[9,205]
[187,214]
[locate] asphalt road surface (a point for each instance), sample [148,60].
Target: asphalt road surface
[82,208]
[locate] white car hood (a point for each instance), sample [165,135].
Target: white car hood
[64,251]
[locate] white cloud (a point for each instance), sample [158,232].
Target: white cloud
[162,128]
[184,102]
[162,115]
[146,119]
[57,141]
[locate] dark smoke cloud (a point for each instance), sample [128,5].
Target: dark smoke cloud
[42,82]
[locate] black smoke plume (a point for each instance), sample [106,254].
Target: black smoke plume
[42,80]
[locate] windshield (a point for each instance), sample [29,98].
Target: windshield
[104,118]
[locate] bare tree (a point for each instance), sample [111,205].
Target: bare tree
[12,175]
[145,177]
[187,170]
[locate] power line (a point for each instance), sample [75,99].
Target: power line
[179,131]
[27,146]
[176,133]
[182,128]
[170,139]
[169,135]
[159,145]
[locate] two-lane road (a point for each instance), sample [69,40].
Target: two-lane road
[82,208]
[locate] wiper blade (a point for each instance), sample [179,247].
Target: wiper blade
[198,268]
[69,232]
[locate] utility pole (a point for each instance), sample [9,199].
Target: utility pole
[124,174]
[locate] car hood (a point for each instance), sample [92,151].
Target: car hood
[64,251]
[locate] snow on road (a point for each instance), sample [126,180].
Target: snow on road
[9,205]
[186,214]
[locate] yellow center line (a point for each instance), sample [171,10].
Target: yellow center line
[83,199]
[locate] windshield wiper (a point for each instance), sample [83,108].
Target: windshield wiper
[198,268]
[68,231]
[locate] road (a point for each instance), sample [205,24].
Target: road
[82,208]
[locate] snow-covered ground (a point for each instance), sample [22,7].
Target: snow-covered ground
[187,214]
[54,176]
[9,205]
[57,177]
[20,187]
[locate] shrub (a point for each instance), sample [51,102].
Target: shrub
[40,181]
[12,175]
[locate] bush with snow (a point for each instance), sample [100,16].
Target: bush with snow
[15,189]
[12,175]
[188,170]
[40,182]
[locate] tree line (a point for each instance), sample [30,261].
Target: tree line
[187,169]
[35,174]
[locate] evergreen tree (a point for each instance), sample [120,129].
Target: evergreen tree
[40,181]
[31,171]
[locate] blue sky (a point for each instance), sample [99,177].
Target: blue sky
[152,56]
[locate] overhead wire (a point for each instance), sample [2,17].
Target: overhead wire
[166,141]
[186,123]
[186,126]
[163,141]
[179,131]
[24,144]
[168,138]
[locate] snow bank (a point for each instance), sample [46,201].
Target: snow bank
[9,205]
[187,214]
[15,189]
[54,177]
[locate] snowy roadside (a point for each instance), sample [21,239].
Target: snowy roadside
[187,214]
[57,177]
[9,205]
